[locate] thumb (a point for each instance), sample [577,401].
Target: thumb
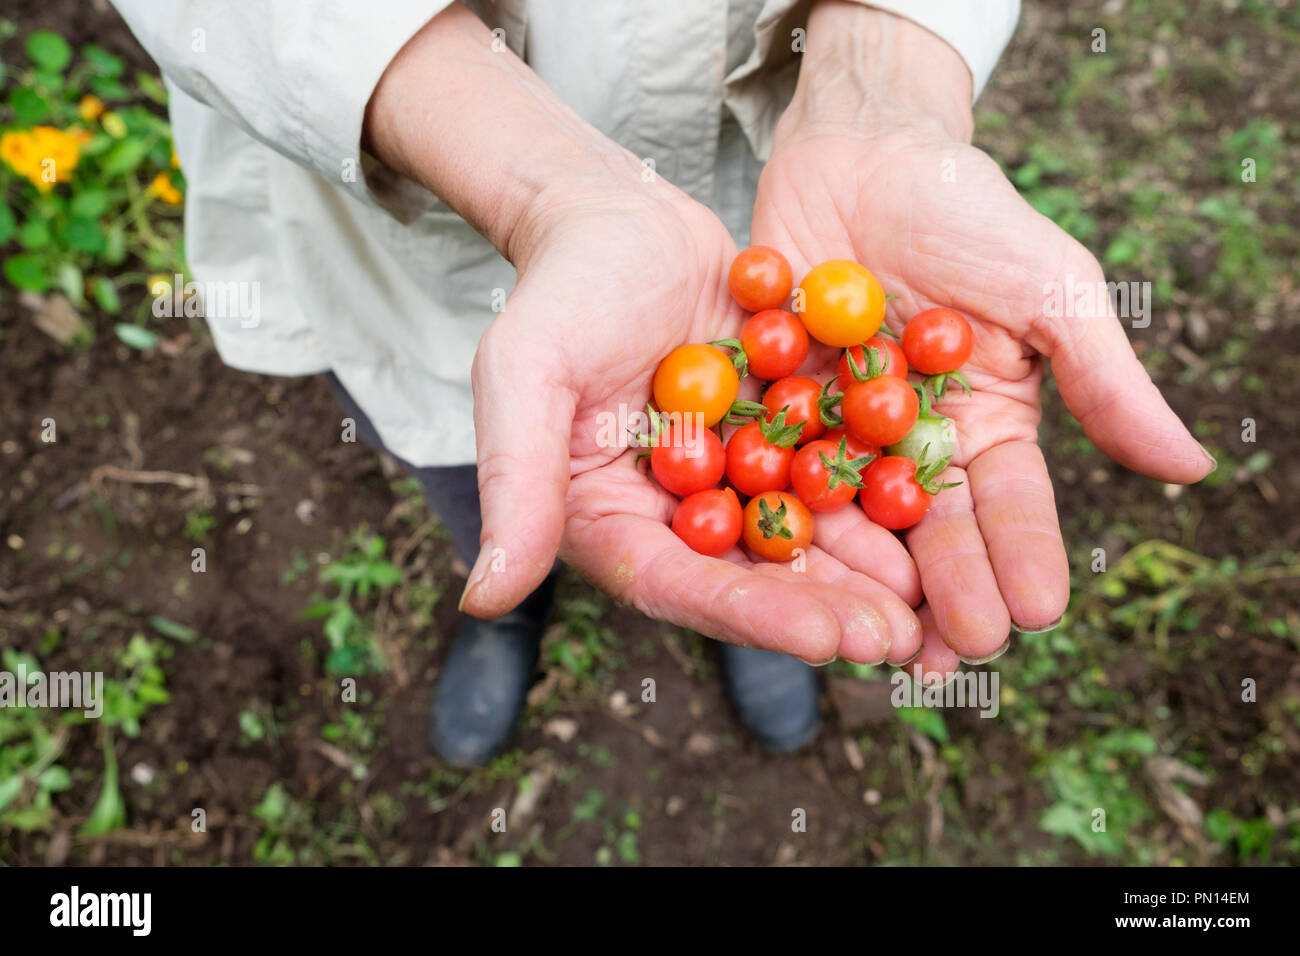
[523,416]
[1105,386]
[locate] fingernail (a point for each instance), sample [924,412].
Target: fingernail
[992,657]
[1038,630]
[481,566]
[830,660]
[1214,462]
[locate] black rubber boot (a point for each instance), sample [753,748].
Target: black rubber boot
[485,680]
[775,695]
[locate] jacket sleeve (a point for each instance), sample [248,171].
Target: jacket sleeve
[979,30]
[296,76]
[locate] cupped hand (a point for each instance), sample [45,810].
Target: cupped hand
[939,225]
[609,283]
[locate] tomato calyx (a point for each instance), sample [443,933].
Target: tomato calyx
[939,383]
[927,474]
[777,432]
[842,468]
[651,440]
[826,404]
[742,412]
[736,353]
[875,368]
[923,396]
[771,524]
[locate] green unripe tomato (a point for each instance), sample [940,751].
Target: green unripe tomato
[935,431]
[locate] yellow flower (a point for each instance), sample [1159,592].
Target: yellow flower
[162,188]
[90,108]
[159,285]
[43,154]
[176,160]
[18,150]
[113,125]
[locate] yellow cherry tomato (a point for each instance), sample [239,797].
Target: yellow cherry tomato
[841,303]
[696,379]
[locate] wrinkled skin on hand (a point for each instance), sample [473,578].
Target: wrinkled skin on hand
[939,225]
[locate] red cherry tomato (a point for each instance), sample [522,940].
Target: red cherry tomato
[937,341]
[775,342]
[824,479]
[803,395]
[755,463]
[760,278]
[709,521]
[696,379]
[888,353]
[688,460]
[891,496]
[880,411]
[856,447]
[841,303]
[776,525]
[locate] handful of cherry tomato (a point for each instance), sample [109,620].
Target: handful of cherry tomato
[807,447]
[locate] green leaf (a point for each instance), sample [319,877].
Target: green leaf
[383,574]
[168,628]
[89,203]
[136,336]
[48,50]
[339,624]
[108,89]
[10,787]
[110,812]
[73,284]
[84,235]
[47,79]
[29,820]
[29,106]
[1062,819]
[274,805]
[27,273]
[1258,461]
[34,234]
[115,246]
[124,157]
[927,720]
[104,62]
[54,779]
[1124,249]
[8,223]
[151,87]
[152,694]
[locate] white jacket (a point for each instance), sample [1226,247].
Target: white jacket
[344,265]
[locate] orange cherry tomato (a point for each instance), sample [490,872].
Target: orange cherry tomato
[841,303]
[776,525]
[696,379]
[760,278]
